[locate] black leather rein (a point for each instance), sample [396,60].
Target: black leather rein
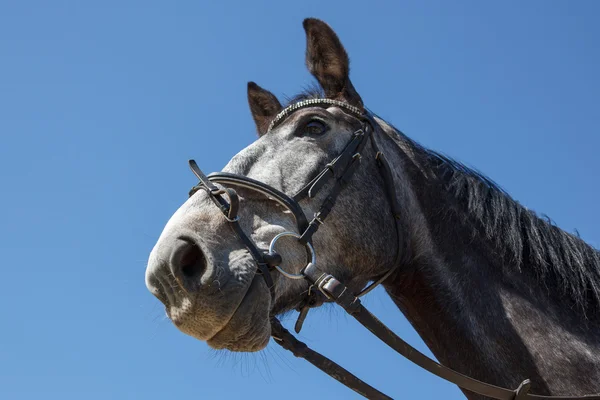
[341,170]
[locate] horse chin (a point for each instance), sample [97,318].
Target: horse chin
[249,328]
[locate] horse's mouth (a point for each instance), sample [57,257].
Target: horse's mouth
[227,309]
[249,328]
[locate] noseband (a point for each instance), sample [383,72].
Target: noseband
[340,170]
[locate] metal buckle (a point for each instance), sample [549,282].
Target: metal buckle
[523,390]
[318,219]
[236,219]
[321,285]
[309,246]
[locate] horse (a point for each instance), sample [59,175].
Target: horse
[495,291]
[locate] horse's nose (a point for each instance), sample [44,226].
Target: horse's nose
[187,263]
[179,266]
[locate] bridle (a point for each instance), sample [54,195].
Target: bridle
[340,169]
[323,286]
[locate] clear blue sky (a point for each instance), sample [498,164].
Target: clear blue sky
[102,103]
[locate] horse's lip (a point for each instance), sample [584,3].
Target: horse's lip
[248,290]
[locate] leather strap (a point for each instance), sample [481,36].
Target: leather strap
[230,210]
[334,168]
[286,340]
[336,291]
[342,169]
[291,204]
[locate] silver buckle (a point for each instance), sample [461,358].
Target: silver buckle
[319,220]
[321,285]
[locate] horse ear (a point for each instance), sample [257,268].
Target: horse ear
[328,61]
[264,106]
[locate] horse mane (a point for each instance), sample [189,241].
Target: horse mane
[520,237]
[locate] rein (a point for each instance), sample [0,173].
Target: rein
[341,169]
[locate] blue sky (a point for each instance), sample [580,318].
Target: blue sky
[102,103]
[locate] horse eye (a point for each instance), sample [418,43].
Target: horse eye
[315,127]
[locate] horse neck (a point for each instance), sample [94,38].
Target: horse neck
[479,316]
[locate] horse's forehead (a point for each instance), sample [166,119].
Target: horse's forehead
[266,148]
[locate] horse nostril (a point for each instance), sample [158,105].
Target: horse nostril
[188,262]
[192,262]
